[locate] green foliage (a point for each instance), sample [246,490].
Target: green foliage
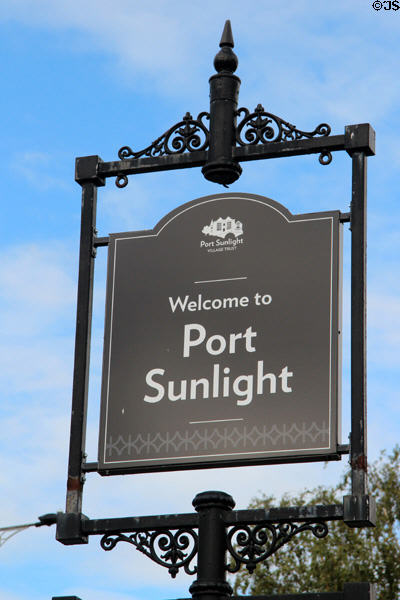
[346,555]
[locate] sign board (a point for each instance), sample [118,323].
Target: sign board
[222,338]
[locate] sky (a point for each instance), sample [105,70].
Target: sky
[87,78]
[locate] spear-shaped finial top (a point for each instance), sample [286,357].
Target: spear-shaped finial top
[227,37]
[226,60]
[224,92]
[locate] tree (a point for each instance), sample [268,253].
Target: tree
[345,555]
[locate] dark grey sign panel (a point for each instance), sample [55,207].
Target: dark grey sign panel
[221,338]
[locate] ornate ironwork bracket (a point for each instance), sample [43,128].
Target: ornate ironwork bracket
[173,550]
[184,136]
[249,546]
[191,135]
[261,127]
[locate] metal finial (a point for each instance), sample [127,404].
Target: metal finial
[226,60]
[227,37]
[224,91]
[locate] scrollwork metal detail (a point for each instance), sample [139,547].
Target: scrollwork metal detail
[249,545]
[187,135]
[325,158]
[261,127]
[173,550]
[190,135]
[121,180]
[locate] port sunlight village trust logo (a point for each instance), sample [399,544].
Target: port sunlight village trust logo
[227,232]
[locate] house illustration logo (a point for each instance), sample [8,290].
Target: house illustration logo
[221,228]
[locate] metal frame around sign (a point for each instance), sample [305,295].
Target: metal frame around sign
[219,149]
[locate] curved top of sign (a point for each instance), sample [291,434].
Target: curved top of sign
[280,209]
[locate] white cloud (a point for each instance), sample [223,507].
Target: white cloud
[38,169]
[37,302]
[36,287]
[127,209]
[8,595]
[157,44]
[34,448]
[36,366]
[384,329]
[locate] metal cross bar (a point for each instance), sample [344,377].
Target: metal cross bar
[333,512]
[172,541]
[135,166]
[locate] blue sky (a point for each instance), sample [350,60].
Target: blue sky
[87,78]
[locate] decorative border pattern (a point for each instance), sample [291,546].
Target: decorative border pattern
[211,439]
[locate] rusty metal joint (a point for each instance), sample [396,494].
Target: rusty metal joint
[360,463]
[74,483]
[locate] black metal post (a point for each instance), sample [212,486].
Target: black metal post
[86,175]
[359,508]
[211,581]
[82,349]
[358,325]
[224,93]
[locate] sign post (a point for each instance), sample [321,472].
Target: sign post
[222,341]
